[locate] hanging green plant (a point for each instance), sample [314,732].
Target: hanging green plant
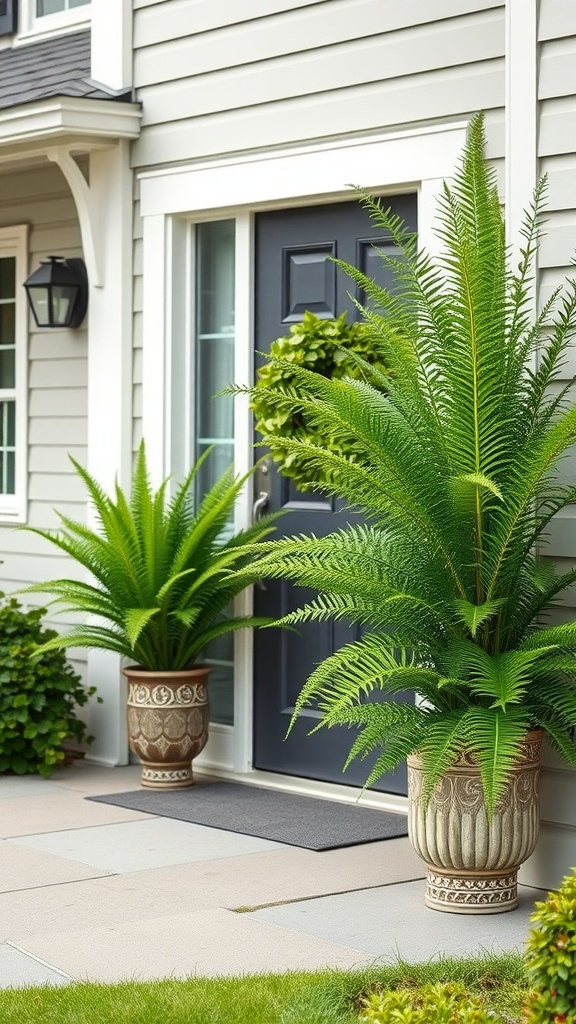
[330,348]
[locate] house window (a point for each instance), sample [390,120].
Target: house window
[12,374]
[7,375]
[47,18]
[213,370]
[47,7]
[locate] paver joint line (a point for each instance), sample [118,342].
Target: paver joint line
[320,896]
[38,959]
[55,885]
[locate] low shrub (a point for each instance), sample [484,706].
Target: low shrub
[430,1004]
[38,695]
[551,958]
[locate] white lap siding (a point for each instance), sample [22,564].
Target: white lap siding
[556,852]
[232,78]
[57,377]
[137,328]
[286,72]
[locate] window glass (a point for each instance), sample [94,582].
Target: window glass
[214,347]
[13,374]
[7,366]
[45,7]
[7,279]
[214,413]
[7,374]
[7,322]
[7,447]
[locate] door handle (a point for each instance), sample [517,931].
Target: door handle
[257,511]
[259,505]
[263,482]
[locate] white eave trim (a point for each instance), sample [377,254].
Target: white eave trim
[64,115]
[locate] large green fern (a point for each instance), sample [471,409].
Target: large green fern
[458,478]
[161,584]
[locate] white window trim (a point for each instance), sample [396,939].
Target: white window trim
[33,27]
[414,160]
[14,242]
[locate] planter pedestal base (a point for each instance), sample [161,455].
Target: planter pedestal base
[488,892]
[159,776]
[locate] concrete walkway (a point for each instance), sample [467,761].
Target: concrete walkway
[95,892]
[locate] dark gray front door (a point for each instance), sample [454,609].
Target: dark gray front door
[294,274]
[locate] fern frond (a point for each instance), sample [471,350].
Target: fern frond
[165,569]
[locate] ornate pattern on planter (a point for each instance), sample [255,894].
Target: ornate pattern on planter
[157,777]
[167,723]
[473,862]
[162,695]
[493,894]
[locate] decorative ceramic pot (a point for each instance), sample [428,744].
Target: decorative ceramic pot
[167,723]
[472,861]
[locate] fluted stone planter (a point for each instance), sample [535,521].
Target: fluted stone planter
[167,723]
[472,863]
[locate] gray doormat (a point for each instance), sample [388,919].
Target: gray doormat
[266,813]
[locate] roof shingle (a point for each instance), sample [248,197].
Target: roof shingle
[52,67]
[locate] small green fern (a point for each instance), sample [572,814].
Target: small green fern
[161,569]
[455,467]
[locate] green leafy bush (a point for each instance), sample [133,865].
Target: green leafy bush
[328,347]
[38,695]
[551,958]
[431,1004]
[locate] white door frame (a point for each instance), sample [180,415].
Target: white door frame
[172,197]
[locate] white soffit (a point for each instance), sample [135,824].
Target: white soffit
[60,117]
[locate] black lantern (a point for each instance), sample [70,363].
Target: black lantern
[58,292]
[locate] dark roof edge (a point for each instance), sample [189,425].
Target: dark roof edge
[125,95]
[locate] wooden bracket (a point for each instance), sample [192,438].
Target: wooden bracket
[88,215]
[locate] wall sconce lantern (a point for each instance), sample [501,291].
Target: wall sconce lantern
[58,292]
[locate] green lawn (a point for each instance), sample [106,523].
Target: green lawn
[325,997]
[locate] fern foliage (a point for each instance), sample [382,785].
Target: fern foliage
[160,582]
[457,471]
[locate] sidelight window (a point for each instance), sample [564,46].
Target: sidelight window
[213,370]
[215,337]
